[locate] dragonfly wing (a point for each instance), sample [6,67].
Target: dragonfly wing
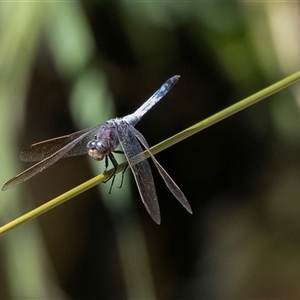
[45,163]
[44,149]
[141,171]
[173,187]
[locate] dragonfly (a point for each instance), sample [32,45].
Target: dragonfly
[100,142]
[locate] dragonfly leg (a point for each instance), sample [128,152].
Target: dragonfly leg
[112,176]
[123,172]
[119,151]
[106,164]
[115,164]
[112,182]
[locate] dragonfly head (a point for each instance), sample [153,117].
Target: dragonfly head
[98,149]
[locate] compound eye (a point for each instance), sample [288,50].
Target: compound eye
[96,149]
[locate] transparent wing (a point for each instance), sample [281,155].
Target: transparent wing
[173,187]
[45,163]
[44,149]
[141,171]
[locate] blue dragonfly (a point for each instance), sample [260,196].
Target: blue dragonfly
[100,142]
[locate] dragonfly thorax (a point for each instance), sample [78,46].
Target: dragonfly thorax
[98,149]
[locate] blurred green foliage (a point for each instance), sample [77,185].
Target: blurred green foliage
[68,65]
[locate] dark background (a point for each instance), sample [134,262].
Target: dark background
[67,66]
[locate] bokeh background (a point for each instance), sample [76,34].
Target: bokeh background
[70,65]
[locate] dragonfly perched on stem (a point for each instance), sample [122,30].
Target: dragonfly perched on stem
[100,142]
